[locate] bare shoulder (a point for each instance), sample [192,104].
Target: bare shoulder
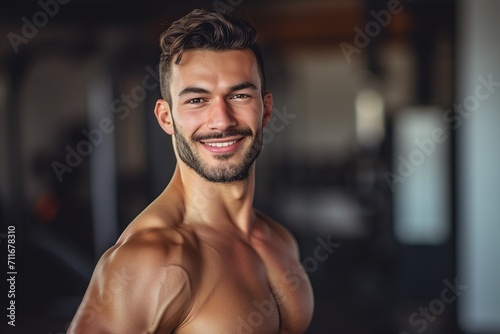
[277,229]
[142,284]
[147,254]
[153,245]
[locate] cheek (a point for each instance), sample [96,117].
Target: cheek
[187,125]
[252,118]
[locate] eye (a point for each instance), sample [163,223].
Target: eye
[195,100]
[240,96]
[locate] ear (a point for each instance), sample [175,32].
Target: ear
[268,108]
[164,116]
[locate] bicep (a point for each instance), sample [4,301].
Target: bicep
[170,298]
[133,299]
[102,307]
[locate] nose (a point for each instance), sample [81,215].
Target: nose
[220,116]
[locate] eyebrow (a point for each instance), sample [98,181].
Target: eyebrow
[242,86]
[199,90]
[191,89]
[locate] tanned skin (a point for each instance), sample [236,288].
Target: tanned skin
[200,258]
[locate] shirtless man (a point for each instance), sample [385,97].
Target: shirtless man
[200,259]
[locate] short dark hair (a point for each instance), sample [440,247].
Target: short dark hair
[202,29]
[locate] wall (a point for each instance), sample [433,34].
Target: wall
[479,164]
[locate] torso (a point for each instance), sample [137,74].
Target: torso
[245,286]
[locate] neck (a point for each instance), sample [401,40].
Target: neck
[216,204]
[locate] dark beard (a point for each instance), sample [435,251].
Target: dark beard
[224,172]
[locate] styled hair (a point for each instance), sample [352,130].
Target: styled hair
[208,30]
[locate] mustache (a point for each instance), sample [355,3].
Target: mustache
[220,135]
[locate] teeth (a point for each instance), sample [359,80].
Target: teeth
[221,144]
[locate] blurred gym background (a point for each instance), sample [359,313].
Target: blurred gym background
[384,142]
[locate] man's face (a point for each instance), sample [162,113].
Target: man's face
[218,112]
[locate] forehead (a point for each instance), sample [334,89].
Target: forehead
[215,69]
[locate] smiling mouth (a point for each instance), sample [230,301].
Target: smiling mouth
[222,144]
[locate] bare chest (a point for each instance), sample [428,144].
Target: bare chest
[242,290]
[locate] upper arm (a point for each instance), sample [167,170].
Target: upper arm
[134,289]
